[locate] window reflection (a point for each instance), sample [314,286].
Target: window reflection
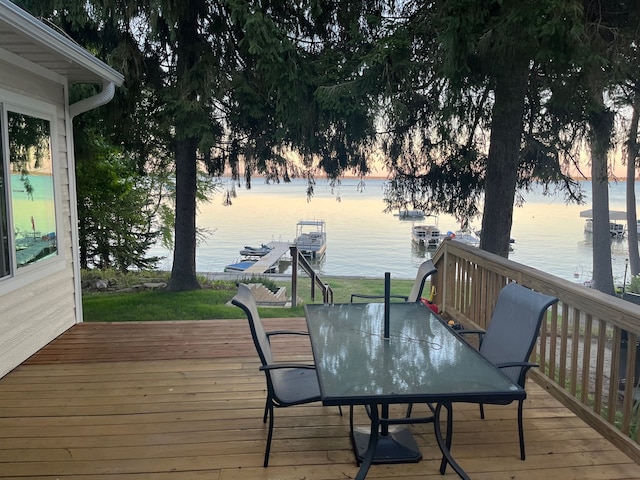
[4,230]
[32,193]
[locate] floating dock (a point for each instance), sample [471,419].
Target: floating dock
[268,261]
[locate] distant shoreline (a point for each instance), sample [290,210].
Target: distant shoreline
[382,177]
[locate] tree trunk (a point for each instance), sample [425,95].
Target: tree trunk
[504,154]
[183,271]
[599,142]
[632,217]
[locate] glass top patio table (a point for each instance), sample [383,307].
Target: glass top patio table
[423,360]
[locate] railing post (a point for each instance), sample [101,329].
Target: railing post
[294,275]
[443,281]
[328,294]
[298,261]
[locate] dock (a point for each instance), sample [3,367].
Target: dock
[268,261]
[34,250]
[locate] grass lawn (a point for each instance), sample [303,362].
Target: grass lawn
[211,301]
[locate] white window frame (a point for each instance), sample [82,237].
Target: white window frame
[27,274]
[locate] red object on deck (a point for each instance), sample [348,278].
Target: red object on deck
[431,305]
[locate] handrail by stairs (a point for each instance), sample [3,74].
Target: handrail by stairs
[299,261]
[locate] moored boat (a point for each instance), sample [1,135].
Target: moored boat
[427,235]
[260,251]
[467,236]
[242,265]
[311,238]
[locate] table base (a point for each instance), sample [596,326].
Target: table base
[396,447]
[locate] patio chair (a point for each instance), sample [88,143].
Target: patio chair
[425,270]
[511,336]
[288,384]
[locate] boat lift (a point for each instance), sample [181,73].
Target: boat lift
[617,230]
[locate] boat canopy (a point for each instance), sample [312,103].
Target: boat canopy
[613,214]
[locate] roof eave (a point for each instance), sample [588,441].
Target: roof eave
[38,32]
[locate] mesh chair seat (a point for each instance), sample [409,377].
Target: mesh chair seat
[292,386]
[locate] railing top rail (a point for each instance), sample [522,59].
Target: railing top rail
[619,312]
[327,292]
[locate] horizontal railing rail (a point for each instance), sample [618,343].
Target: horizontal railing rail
[299,261]
[587,349]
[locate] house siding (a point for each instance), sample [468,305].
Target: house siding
[43,305]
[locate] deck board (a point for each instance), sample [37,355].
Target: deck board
[184,400]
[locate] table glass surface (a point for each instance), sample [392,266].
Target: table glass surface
[422,359]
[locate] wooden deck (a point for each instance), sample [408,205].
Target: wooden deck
[184,400]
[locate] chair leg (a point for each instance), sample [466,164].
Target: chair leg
[444,444]
[352,435]
[351,420]
[269,436]
[521,429]
[409,408]
[266,410]
[481,411]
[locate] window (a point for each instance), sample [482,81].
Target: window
[28,225]
[4,231]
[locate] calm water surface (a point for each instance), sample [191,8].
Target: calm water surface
[364,241]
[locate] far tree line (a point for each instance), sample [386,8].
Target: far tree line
[467,103]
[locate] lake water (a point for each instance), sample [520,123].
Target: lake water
[364,241]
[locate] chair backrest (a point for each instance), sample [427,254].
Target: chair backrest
[245,300]
[514,327]
[426,268]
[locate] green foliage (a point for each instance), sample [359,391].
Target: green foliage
[117,209]
[299,87]
[634,284]
[442,105]
[241,87]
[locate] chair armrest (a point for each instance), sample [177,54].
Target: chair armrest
[359,295]
[479,333]
[286,332]
[278,366]
[525,365]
